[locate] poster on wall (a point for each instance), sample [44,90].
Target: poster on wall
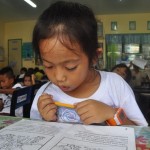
[100,29]
[14,54]
[27,51]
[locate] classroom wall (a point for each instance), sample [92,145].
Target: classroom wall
[123,24]
[19,30]
[2,40]
[23,30]
[1,33]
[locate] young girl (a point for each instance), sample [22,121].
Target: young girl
[65,37]
[29,79]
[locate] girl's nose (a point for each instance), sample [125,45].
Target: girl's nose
[59,75]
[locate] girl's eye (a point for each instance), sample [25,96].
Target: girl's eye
[48,67]
[71,68]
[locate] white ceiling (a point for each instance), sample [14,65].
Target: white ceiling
[15,10]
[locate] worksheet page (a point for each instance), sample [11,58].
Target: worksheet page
[41,135]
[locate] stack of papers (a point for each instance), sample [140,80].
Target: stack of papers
[141,63]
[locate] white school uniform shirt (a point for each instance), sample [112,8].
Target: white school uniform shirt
[6,98]
[113,91]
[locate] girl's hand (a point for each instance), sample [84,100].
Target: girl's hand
[92,111]
[33,79]
[47,108]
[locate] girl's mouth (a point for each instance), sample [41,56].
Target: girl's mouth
[64,88]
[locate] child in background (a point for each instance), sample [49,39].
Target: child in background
[124,71]
[29,79]
[7,79]
[38,74]
[138,76]
[65,38]
[20,77]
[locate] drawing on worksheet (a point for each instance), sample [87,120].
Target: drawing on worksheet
[86,140]
[64,145]
[41,135]
[27,135]
[18,142]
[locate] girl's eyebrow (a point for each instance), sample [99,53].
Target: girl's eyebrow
[46,60]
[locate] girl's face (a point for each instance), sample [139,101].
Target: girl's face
[121,71]
[27,81]
[68,69]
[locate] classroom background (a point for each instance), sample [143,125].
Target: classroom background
[116,33]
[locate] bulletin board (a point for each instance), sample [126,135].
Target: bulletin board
[14,54]
[27,51]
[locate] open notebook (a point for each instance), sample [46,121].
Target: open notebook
[41,135]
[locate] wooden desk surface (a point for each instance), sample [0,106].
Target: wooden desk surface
[142,134]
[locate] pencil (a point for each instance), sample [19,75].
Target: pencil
[63,105]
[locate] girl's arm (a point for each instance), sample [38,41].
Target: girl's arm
[33,79]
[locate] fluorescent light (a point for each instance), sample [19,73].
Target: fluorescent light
[30,3]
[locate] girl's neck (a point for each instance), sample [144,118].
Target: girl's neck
[88,87]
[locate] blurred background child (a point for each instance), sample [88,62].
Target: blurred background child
[20,77]
[29,79]
[7,80]
[138,75]
[123,70]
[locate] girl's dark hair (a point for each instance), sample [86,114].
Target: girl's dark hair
[27,74]
[128,71]
[68,20]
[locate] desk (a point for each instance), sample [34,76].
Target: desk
[143,99]
[7,120]
[142,134]
[141,90]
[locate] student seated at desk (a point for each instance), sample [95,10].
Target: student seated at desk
[138,76]
[28,80]
[7,79]
[38,74]
[20,77]
[123,70]
[67,45]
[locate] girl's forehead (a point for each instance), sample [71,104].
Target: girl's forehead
[47,45]
[55,51]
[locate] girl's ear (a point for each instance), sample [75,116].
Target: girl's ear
[99,54]
[12,81]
